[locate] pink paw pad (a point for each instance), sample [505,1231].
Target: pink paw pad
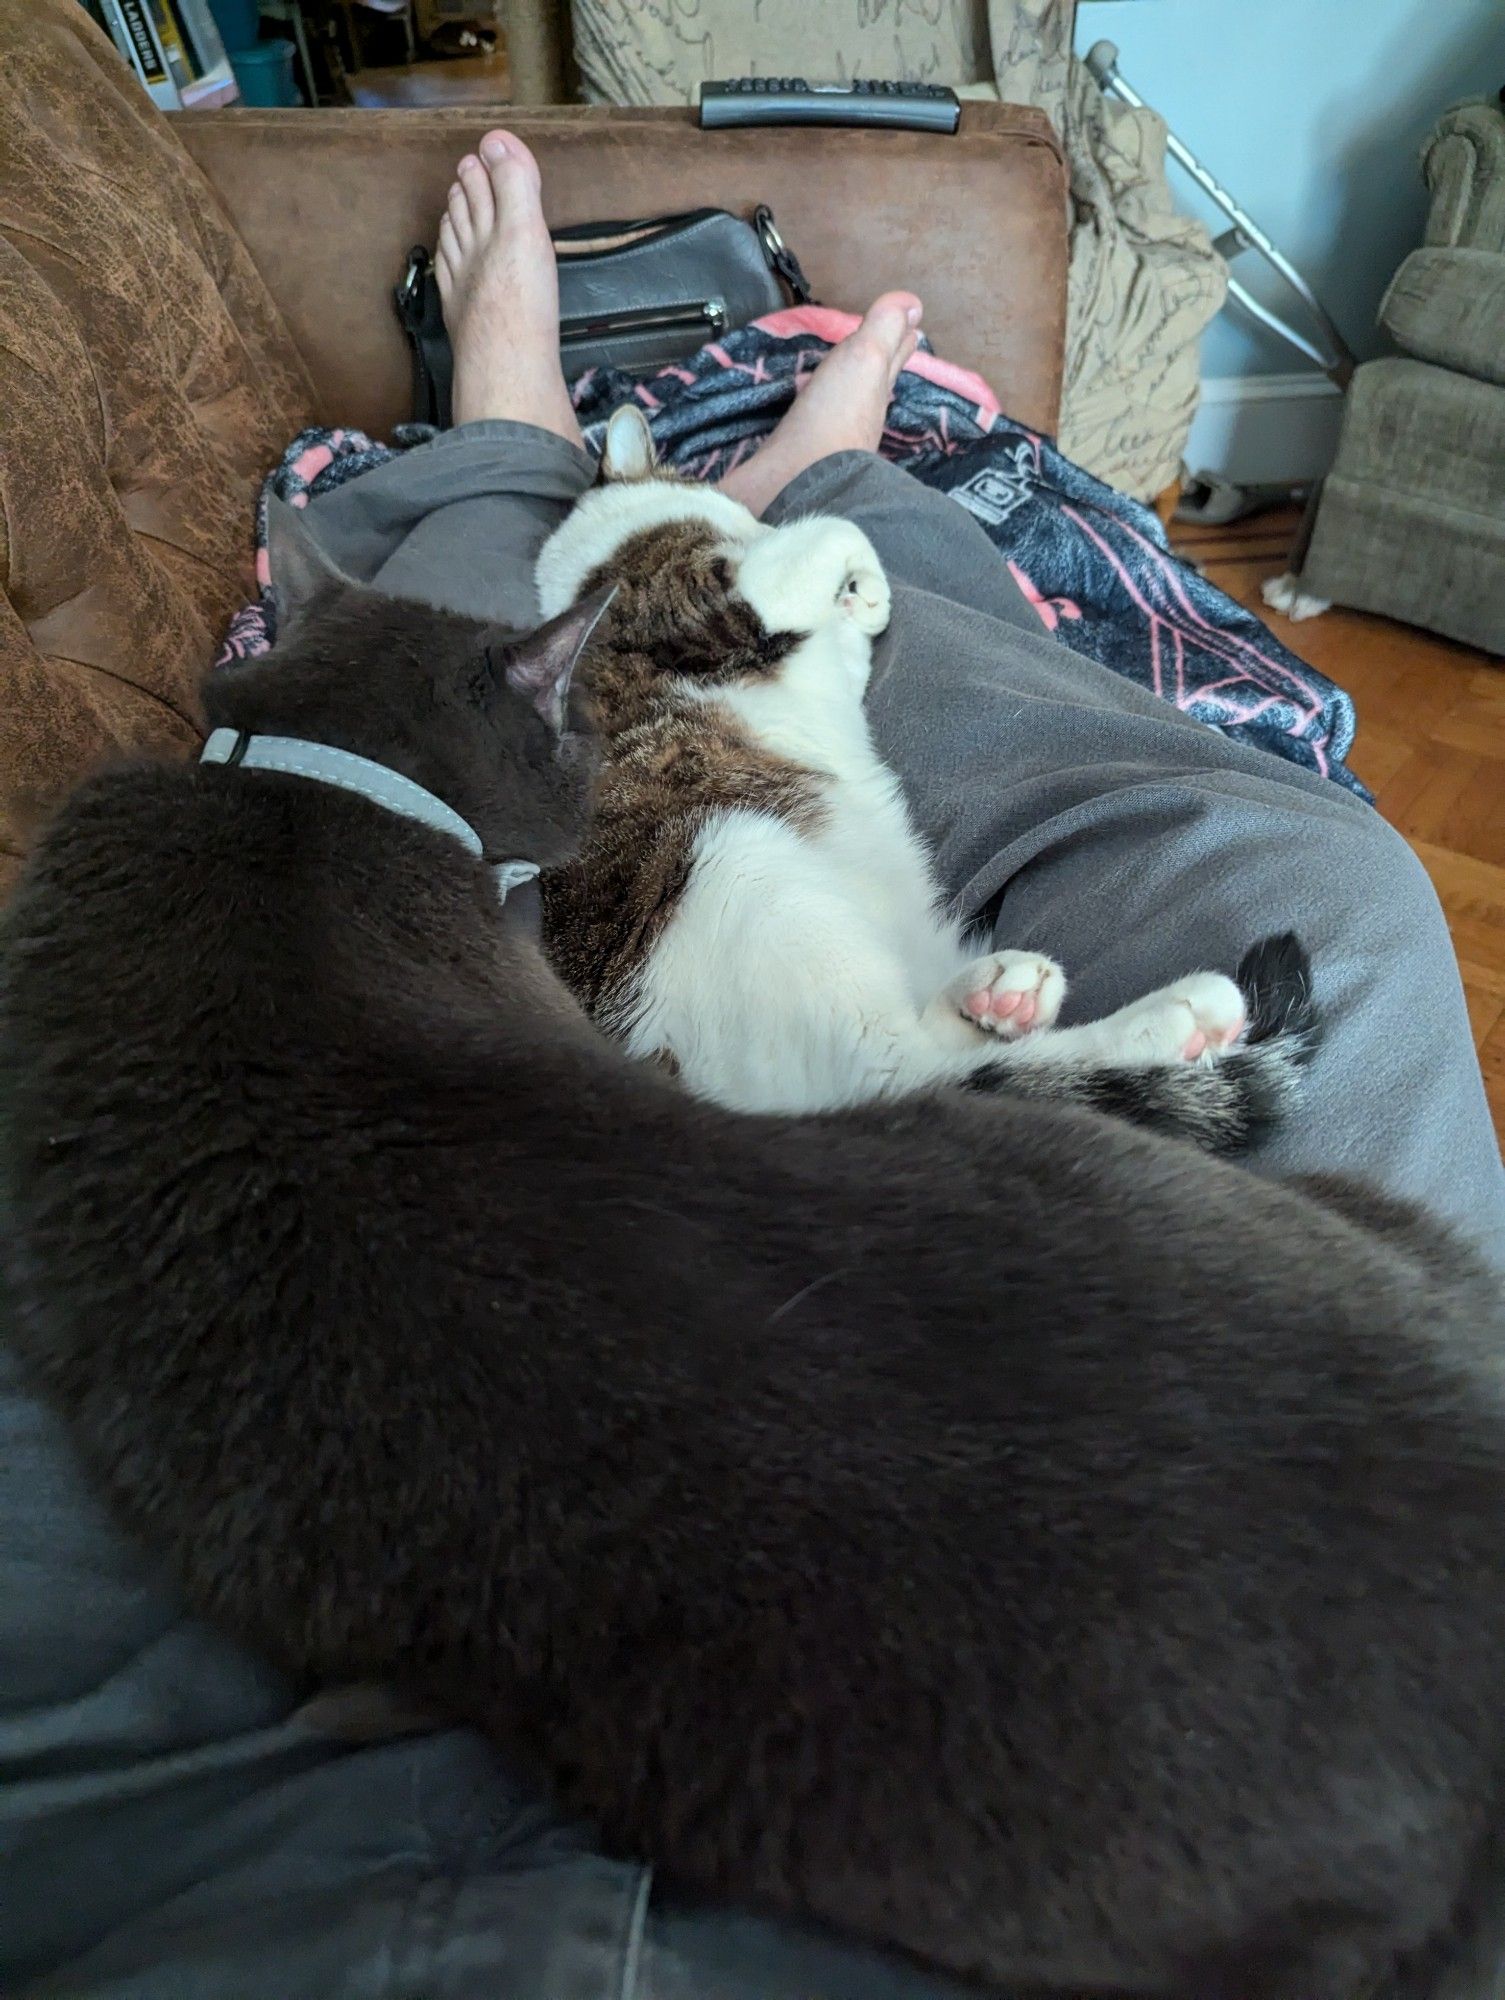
[1203,1039]
[1021,1007]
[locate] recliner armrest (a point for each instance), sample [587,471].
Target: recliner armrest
[1463,164]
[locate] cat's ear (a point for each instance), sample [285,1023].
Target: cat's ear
[541,665]
[301,573]
[629,451]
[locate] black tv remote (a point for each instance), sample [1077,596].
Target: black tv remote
[790,100]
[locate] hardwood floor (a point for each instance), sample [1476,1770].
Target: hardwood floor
[1430,745]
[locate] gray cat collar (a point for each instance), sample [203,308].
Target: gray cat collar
[296,758]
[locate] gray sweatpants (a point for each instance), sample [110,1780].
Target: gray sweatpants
[173,1826]
[1070,810]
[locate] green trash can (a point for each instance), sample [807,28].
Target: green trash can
[239,23]
[265,74]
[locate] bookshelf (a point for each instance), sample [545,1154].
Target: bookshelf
[174,48]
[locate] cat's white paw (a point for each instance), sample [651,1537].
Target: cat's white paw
[1183,1022]
[1010,993]
[865,598]
[844,563]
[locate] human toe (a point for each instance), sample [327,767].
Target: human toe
[513,173]
[892,320]
[447,253]
[480,202]
[457,213]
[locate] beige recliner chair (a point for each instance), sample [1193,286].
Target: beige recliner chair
[1411,520]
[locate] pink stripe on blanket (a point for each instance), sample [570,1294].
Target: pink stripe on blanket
[309,464]
[826,323]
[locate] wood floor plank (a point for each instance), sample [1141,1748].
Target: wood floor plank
[1430,744]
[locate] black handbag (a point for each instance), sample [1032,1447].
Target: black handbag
[632,295]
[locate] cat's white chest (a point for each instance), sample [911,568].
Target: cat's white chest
[811,710]
[865,847]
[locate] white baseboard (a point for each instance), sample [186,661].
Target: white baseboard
[1265,430]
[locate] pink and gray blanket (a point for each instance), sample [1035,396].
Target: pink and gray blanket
[1095,565]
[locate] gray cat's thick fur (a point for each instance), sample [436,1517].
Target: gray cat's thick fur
[1011,1537]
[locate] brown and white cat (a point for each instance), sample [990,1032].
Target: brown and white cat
[754,902]
[981,1526]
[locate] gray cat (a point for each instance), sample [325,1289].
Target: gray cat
[1008,1536]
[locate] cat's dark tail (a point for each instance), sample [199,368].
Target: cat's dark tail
[1222,1105]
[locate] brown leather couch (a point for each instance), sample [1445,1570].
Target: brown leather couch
[179,297]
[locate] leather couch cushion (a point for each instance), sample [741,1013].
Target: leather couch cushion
[328,203]
[146,383]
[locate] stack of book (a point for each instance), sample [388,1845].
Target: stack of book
[174,47]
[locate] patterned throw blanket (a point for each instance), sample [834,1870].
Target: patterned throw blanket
[1094,564]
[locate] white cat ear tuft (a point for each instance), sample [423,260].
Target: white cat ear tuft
[629,451]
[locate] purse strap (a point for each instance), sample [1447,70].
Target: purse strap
[781,258]
[421,312]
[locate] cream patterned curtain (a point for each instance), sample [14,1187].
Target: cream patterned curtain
[1144,280]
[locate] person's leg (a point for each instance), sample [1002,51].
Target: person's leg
[923,538]
[460,521]
[840,407]
[1088,820]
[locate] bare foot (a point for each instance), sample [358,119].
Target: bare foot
[841,408]
[500,288]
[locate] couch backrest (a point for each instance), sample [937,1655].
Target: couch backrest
[146,383]
[329,201]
